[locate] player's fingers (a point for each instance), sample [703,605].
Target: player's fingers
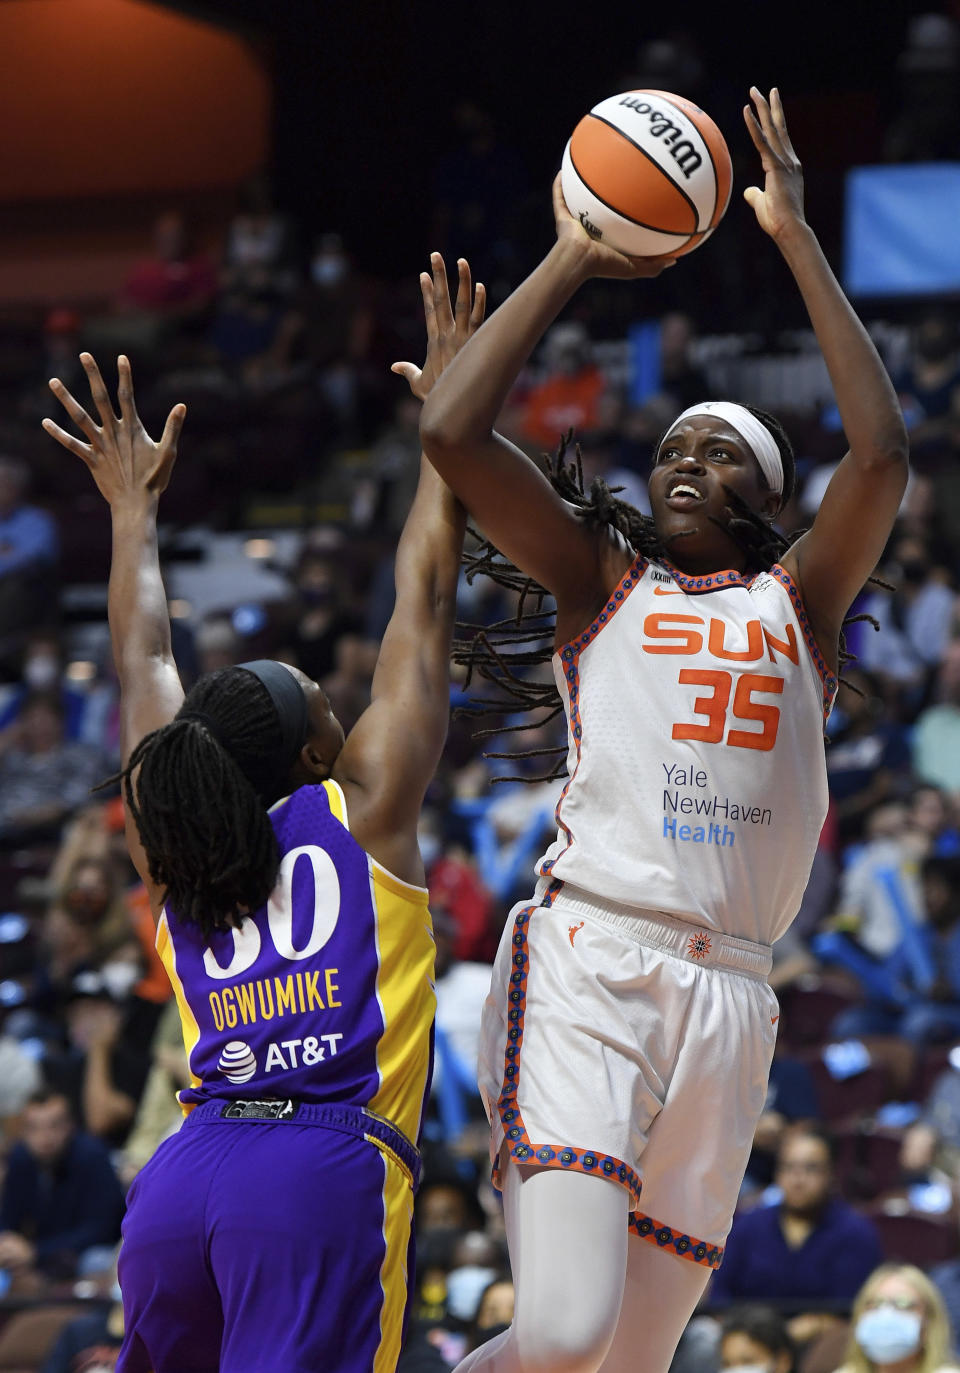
[128,409]
[82,450]
[429,313]
[98,391]
[780,121]
[479,306]
[441,292]
[560,208]
[74,409]
[766,123]
[408,370]
[464,290]
[754,130]
[171,430]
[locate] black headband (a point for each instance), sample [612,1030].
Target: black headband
[290,703]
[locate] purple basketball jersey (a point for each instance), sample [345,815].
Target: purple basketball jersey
[325,994]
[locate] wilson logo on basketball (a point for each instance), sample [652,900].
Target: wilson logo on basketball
[681,149]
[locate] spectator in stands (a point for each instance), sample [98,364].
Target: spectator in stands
[880,886]
[20,1078]
[90,1343]
[867,756]
[936,737]
[927,126]
[933,1142]
[43,777]
[791,1097]
[680,379]
[898,1322]
[755,1337]
[104,1068]
[810,1247]
[176,282]
[494,1311]
[462,988]
[158,1113]
[89,707]
[571,392]
[348,685]
[915,621]
[929,386]
[28,553]
[61,1200]
[259,239]
[317,612]
[914,993]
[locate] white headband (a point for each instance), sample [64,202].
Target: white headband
[756,435]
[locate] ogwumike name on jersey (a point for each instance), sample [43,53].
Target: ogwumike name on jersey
[267,997]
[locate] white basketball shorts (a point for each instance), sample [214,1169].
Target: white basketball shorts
[633,1045]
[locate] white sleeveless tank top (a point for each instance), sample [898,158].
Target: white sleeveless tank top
[697,784]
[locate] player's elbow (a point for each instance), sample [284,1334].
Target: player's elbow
[445,431]
[892,445]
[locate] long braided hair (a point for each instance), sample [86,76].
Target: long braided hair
[507,653]
[200,800]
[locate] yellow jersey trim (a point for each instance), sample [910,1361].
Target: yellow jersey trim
[188,1021]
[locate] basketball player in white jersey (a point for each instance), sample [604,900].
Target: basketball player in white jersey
[630,1027]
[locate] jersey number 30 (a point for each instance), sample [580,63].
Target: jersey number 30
[715,705]
[326,911]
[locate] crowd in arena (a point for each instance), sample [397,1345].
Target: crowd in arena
[299,442]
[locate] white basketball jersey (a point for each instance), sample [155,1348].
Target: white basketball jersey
[697,784]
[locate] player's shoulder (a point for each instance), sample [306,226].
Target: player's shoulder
[310,806]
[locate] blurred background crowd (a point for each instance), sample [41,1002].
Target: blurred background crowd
[299,459]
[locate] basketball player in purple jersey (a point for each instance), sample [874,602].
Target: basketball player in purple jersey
[273,1231]
[628,1035]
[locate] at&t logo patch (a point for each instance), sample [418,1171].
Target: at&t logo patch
[237,1062]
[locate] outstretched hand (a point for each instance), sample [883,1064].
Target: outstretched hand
[602,260]
[124,459]
[779,206]
[448,327]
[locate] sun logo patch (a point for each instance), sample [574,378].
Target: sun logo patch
[698,945]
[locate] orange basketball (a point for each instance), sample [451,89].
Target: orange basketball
[648,173]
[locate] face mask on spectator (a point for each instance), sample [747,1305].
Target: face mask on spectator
[749,1368]
[464,1288]
[887,1335]
[41,672]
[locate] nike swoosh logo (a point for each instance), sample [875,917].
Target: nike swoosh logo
[659,591]
[774,1019]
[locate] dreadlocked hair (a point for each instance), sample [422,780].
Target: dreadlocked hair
[200,800]
[504,653]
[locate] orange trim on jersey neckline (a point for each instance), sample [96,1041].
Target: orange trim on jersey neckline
[711,581]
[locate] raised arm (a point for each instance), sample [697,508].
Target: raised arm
[392,752]
[504,491]
[833,560]
[131,472]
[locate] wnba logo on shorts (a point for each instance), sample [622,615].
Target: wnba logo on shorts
[237,1062]
[698,945]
